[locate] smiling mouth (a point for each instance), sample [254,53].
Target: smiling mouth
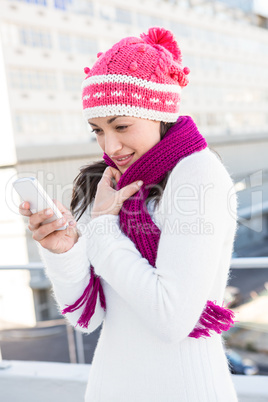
[126,157]
[125,160]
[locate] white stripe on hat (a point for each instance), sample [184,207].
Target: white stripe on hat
[117,78]
[119,110]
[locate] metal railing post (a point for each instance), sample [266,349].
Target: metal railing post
[3,364]
[79,347]
[71,343]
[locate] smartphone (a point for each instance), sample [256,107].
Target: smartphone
[30,190]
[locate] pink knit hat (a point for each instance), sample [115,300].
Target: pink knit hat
[140,77]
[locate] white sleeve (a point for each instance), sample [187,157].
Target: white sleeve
[170,298]
[69,274]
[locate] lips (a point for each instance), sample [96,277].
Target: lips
[125,161]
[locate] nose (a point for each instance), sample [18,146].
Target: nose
[112,143]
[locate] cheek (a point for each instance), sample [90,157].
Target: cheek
[143,140]
[151,141]
[145,145]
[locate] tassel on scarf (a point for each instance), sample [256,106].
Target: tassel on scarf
[213,318]
[89,298]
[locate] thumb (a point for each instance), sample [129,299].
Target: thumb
[127,191]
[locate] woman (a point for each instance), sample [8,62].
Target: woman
[149,254]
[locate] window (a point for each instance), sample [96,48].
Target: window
[61,4]
[180,29]
[245,5]
[123,16]
[38,127]
[65,42]
[85,45]
[74,127]
[75,6]
[34,37]
[72,82]
[49,127]
[189,61]
[31,79]
[157,22]
[39,2]
[143,21]
[77,44]
[10,35]
[107,13]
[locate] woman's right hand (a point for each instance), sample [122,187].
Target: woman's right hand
[56,241]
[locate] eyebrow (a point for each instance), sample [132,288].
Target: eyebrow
[108,121]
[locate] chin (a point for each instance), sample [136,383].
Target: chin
[122,169]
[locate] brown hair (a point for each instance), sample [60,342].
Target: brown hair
[85,183]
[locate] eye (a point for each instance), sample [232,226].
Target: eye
[121,128]
[96,131]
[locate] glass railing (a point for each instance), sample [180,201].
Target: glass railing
[54,339]
[35,354]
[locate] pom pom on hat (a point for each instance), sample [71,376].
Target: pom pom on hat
[133,66]
[141,48]
[165,38]
[86,70]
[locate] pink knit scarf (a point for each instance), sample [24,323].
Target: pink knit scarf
[181,140]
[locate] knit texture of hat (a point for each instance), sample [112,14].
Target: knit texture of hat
[140,77]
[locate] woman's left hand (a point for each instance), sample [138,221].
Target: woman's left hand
[107,199]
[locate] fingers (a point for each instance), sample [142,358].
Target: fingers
[107,199]
[24,209]
[36,219]
[43,231]
[108,174]
[117,175]
[127,191]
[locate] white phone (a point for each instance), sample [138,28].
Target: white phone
[31,191]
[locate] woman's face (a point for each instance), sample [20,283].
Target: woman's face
[125,137]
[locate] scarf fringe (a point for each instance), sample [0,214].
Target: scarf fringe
[89,299]
[213,318]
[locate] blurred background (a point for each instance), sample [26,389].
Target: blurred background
[44,47]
